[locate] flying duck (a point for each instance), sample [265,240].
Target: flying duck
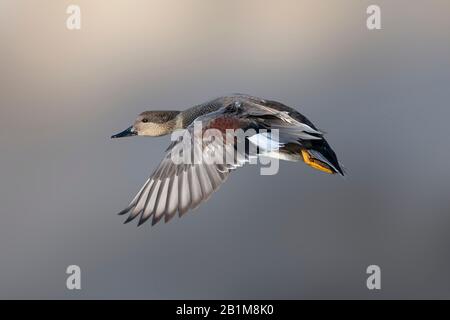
[180,186]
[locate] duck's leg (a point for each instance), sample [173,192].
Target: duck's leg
[316,164]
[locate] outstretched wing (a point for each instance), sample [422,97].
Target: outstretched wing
[177,186]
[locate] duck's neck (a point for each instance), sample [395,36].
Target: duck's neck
[186,117]
[181,121]
[175,123]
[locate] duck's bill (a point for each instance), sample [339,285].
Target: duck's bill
[125,133]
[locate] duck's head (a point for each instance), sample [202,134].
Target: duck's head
[152,124]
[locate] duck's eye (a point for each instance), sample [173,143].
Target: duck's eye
[144,120]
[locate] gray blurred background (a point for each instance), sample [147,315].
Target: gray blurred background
[382,97]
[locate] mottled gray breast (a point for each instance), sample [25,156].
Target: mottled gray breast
[193,113]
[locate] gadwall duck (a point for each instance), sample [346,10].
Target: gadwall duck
[177,187]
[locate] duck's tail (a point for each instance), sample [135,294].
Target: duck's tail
[321,157]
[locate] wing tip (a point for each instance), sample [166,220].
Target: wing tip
[129,219]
